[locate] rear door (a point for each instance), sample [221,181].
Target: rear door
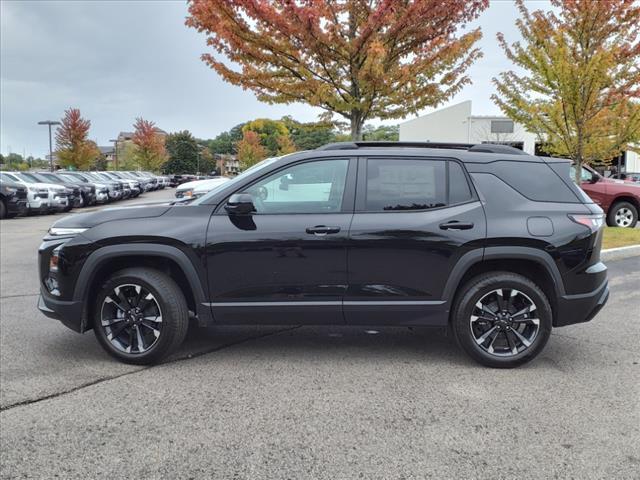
[415,217]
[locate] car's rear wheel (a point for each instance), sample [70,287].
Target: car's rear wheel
[502,319]
[140,316]
[623,214]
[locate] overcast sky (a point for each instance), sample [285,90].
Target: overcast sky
[117,60]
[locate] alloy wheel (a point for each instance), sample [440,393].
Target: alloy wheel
[624,217]
[131,318]
[504,322]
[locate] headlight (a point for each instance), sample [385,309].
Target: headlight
[12,189]
[65,232]
[32,189]
[188,193]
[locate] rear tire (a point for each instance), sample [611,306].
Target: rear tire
[140,316]
[622,214]
[501,319]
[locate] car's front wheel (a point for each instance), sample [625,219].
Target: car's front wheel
[140,316]
[623,214]
[502,319]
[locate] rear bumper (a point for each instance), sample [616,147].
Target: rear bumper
[581,308]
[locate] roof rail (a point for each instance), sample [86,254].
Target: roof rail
[471,147]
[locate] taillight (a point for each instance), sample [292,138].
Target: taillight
[592,221]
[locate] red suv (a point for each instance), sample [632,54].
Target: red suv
[619,199]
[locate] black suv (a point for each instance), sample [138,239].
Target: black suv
[495,244]
[13,199]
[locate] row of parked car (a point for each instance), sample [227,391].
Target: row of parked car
[23,193]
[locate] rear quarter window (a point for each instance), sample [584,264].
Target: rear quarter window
[536,181]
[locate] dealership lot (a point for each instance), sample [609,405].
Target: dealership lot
[312,402]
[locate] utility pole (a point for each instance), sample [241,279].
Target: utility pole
[49,123]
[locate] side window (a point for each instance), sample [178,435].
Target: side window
[407,184]
[311,187]
[459,190]
[586,175]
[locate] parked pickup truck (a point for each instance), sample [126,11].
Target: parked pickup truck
[619,199]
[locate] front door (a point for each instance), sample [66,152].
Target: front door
[285,263]
[414,218]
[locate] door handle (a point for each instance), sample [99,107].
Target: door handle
[456,225]
[321,230]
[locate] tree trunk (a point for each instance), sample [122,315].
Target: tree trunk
[356,126]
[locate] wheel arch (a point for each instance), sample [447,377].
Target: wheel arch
[168,259]
[536,265]
[625,198]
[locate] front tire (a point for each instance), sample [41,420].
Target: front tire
[140,316]
[502,319]
[622,214]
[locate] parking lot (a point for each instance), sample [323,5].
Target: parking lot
[312,402]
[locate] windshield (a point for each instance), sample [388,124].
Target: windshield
[49,177]
[73,177]
[258,166]
[43,177]
[25,177]
[103,176]
[9,178]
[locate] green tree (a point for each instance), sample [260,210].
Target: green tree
[308,136]
[386,133]
[580,84]
[184,152]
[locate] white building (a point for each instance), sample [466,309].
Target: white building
[456,124]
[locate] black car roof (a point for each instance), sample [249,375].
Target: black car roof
[468,153]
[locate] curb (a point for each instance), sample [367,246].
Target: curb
[620,253]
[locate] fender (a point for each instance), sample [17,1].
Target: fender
[104,254]
[473,257]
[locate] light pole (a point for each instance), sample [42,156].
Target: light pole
[115,151]
[49,122]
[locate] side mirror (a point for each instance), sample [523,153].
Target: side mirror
[594,178]
[240,204]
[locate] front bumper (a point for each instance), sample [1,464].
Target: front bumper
[17,206]
[68,312]
[60,203]
[581,308]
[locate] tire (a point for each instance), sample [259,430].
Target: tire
[159,336]
[510,340]
[3,209]
[622,214]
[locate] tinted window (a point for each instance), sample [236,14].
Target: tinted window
[410,184]
[459,190]
[312,187]
[536,181]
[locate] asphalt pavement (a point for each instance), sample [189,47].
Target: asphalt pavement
[312,402]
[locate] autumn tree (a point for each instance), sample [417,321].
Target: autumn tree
[73,147]
[149,150]
[580,85]
[273,135]
[354,58]
[250,150]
